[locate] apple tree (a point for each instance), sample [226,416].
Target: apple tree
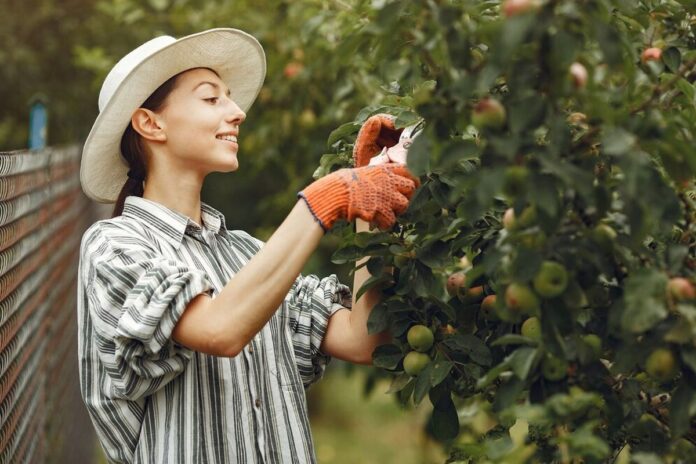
[539,290]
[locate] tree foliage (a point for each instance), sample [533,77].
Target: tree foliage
[558,162]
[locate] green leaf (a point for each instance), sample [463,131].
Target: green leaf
[513,339]
[342,131]
[646,458]
[472,346]
[682,408]
[617,141]
[444,419]
[671,57]
[688,356]
[406,118]
[687,88]
[418,159]
[514,31]
[398,383]
[364,239]
[425,283]
[435,254]
[387,356]
[508,394]
[644,300]
[378,320]
[347,254]
[326,164]
[422,384]
[526,113]
[585,443]
[493,374]
[526,264]
[372,281]
[441,370]
[522,360]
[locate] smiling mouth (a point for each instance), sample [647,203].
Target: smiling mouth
[227,138]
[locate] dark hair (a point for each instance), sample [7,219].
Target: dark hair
[132,148]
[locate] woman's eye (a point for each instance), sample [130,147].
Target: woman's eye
[212,99]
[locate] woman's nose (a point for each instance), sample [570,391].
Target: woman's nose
[234,112]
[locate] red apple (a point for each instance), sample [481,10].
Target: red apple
[488,113]
[292,69]
[519,298]
[455,282]
[488,308]
[578,74]
[517,7]
[681,289]
[651,54]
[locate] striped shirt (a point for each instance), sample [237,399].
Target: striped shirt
[152,400]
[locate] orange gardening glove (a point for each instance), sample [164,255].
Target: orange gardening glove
[375,134]
[376,194]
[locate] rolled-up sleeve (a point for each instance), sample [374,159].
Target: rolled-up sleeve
[310,304]
[135,297]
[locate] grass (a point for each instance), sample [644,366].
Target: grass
[349,427]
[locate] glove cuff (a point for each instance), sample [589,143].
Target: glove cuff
[327,200]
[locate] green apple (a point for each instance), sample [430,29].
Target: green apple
[533,240]
[551,280]
[420,338]
[595,344]
[519,298]
[415,362]
[464,262]
[604,235]
[527,218]
[661,364]
[681,289]
[509,219]
[531,328]
[553,368]
[308,118]
[489,113]
[515,181]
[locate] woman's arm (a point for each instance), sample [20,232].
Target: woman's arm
[346,334]
[224,325]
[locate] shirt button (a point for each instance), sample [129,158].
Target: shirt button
[257,403]
[251,349]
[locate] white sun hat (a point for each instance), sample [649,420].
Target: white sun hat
[236,56]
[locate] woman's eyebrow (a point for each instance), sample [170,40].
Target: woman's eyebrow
[213,84]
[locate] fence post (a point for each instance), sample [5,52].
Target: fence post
[38,122]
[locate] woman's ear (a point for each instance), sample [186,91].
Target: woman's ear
[149,125]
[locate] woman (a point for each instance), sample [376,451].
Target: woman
[195,342]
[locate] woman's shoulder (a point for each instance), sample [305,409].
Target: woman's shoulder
[243,239]
[114,233]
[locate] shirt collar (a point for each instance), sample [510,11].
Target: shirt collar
[169,224]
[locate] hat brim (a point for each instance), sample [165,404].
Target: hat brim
[236,56]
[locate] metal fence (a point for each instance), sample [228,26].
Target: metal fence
[43,214]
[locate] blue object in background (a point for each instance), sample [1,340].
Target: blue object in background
[38,124]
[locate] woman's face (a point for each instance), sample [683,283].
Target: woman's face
[201,123]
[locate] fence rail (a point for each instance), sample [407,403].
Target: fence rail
[43,214]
